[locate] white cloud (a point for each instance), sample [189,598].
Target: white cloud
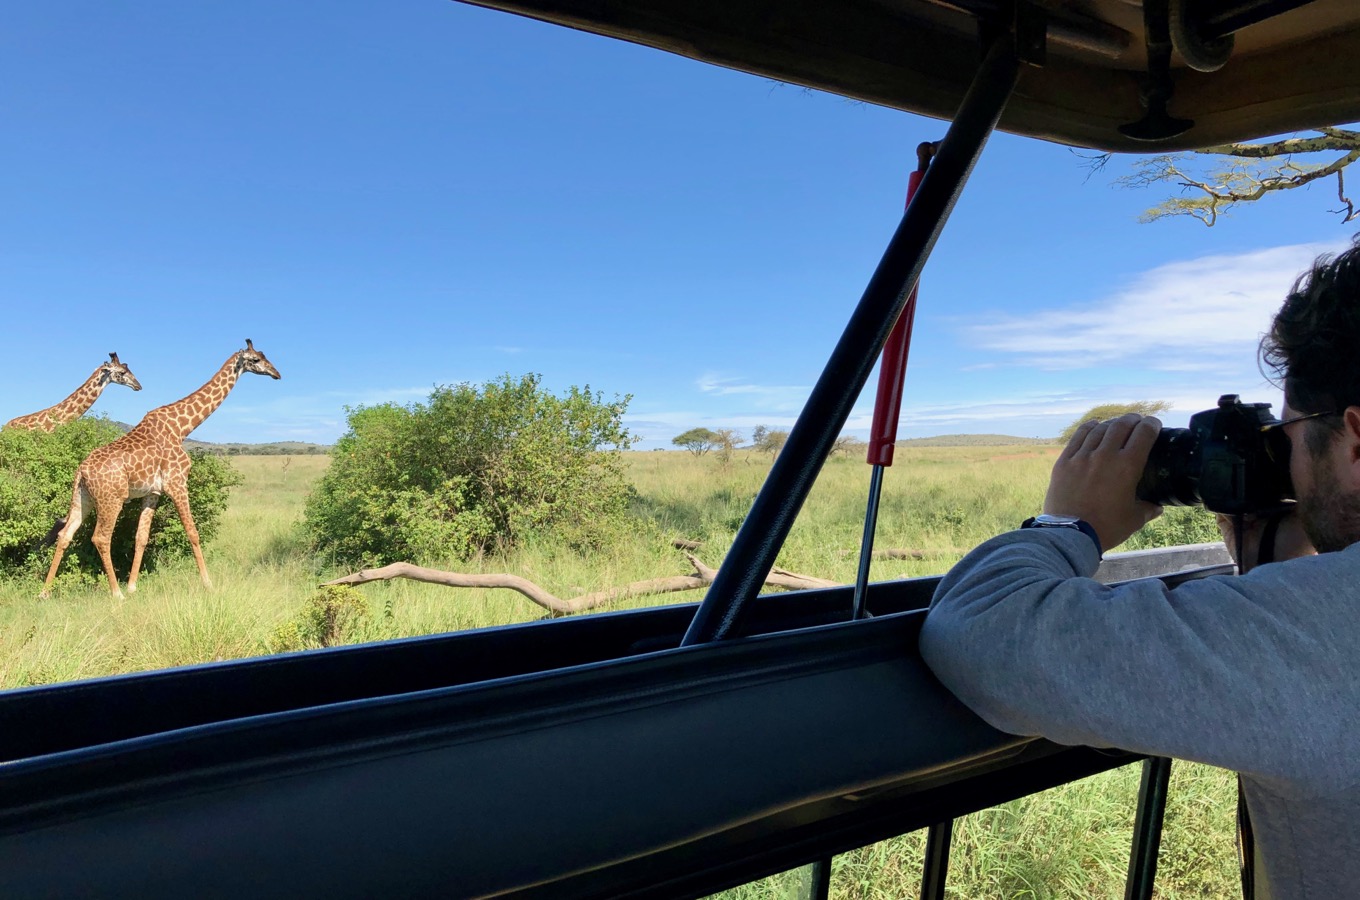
[1202,315]
[774,398]
[711,383]
[1181,333]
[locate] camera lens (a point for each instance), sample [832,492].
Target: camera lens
[1171,477]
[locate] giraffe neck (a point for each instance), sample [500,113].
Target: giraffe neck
[183,416]
[74,406]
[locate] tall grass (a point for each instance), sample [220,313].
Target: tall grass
[1071,842]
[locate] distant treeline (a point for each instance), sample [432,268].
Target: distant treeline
[277,448]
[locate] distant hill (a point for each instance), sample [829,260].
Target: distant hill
[272,448]
[971,440]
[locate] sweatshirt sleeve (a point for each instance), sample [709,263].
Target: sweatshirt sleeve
[1223,670]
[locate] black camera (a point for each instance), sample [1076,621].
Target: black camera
[1230,460]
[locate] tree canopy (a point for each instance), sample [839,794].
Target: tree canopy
[769,440]
[727,440]
[1113,411]
[697,440]
[1214,180]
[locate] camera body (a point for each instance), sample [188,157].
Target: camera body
[1227,460]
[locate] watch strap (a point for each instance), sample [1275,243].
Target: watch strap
[1077,525]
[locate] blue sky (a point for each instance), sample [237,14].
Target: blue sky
[388,196]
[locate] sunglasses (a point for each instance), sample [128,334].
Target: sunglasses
[1277,442]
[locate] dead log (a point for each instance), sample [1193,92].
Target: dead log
[703,577]
[682,544]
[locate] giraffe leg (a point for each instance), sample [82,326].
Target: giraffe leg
[180,494]
[106,516]
[79,499]
[143,533]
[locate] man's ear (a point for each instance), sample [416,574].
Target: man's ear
[1350,435]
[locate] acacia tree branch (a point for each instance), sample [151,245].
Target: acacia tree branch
[1341,195]
[1331,139]
[1232,187]
[556,605]
[1250,172]
[1277,183]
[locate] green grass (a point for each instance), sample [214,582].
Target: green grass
[1071,842]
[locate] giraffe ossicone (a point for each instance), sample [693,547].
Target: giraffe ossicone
[74,406]
[148,461]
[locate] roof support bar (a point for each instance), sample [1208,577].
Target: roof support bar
[757,543]
[1147,828]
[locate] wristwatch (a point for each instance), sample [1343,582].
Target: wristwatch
[1044,520]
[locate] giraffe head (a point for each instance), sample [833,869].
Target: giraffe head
[117,373]
[252,360]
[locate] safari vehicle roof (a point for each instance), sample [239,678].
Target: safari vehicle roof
[1293,69]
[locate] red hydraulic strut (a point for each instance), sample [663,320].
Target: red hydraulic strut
[888,403]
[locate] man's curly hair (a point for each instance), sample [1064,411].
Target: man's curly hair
[1313,346]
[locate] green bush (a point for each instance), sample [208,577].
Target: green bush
[475,469]
[336,614]
[36,474]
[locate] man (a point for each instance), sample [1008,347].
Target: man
[1258,673]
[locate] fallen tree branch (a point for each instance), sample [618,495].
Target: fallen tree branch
[776,577]
[703,577]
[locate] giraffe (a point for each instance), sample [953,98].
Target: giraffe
[148,461]
[74,406]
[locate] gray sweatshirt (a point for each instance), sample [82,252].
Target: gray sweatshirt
[1258,673]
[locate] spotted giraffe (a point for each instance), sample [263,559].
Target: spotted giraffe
[148,461]
[74,406]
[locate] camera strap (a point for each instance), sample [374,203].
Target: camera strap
[1246,844]
[1266,553]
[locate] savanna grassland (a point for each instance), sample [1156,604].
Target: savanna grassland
[1071,842]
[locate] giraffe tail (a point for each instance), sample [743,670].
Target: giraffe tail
[51,537]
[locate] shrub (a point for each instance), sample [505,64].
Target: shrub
[474,469]
[36,473]
[336,614]
[1106,411]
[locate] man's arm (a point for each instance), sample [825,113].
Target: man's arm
[1218,670]
[1022,634]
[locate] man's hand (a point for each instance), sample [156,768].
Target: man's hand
[1096,477]
[1290,540]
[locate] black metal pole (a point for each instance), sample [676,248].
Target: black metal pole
[1147,828]
[819,880]
[936,869]
[859,604]
[795,469]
